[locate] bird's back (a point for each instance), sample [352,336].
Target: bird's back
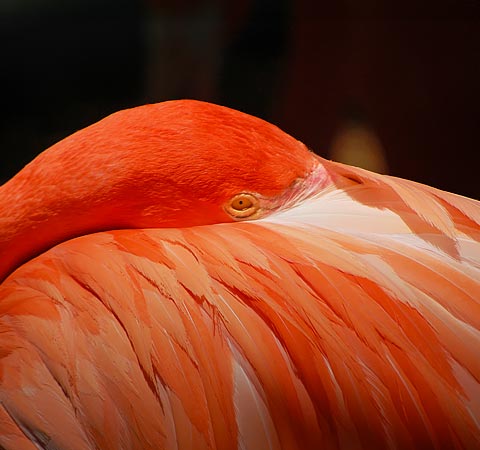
[350,320]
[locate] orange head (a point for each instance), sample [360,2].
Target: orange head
[174,164]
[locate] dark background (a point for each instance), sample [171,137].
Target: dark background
[393,88]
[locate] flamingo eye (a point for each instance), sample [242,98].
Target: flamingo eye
[242,206]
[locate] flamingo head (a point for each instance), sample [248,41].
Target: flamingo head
[173,164]
[186,163]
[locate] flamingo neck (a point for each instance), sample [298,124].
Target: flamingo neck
[31,220]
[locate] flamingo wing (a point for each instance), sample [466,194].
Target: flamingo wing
[350,320]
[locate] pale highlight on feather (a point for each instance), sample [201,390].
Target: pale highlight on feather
[346,321]
[138,310]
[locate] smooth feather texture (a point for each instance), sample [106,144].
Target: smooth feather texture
[172,164]
[346,317]
[331,324]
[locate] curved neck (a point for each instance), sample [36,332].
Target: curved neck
[39,208]
[175,164]
[44,205]
[28,226]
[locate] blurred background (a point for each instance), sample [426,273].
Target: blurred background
[395,89]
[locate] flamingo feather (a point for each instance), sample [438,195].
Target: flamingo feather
[346,315]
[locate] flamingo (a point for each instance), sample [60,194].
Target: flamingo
[185,276]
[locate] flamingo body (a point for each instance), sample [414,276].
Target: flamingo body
[346,316]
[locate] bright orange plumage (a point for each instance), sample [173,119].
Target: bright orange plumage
[346,316]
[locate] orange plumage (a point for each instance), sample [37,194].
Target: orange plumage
[155,316]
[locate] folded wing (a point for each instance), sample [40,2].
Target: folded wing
[349,321]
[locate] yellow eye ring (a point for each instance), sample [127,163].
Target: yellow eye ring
[242,206]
